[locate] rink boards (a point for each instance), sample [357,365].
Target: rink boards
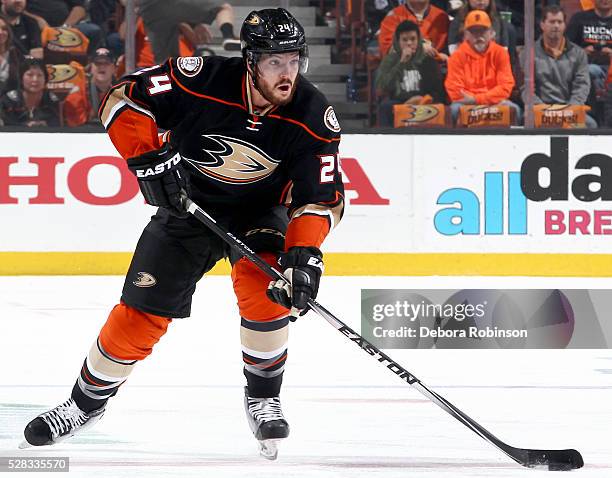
[416,205]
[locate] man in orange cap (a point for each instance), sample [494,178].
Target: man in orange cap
[479,71]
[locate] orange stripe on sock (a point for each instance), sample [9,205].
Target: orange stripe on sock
[91,379]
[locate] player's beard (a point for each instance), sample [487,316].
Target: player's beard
[270,92]
[12,12]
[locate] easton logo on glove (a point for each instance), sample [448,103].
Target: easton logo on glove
[302,266]
[316,262]
[158,169]
[161,178]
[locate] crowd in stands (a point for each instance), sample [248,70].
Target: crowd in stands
[478,49]
[58,58]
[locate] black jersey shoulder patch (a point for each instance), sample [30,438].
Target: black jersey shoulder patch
[189,65]
[310,108]
[330,120]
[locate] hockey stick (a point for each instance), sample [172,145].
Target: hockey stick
[552,459]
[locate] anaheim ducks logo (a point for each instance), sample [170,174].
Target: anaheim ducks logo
[253,19]
[420,114]
[61,73]
[233,161]
[556,108]
[65,38]
[145,280]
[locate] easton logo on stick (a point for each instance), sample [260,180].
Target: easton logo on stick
[380,356]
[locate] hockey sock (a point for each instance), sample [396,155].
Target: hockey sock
[100,378]
[127,337]
[264,352]
[227,30]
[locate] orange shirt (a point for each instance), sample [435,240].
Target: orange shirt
[434,27]
[144,49]
[78,109]
[486,76]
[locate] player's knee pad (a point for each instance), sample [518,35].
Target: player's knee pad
[130,334]
[250,285]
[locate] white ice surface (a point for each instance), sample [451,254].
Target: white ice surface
[180,413]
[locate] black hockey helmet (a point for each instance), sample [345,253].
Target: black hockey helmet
[272,30]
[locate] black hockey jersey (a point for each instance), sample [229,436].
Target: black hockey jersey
[238,158]
[14,112]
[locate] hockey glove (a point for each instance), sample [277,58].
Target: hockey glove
[161,177]
[303,267]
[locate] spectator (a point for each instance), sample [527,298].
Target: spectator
[115,39]
[608,102]
[505,35]
[100,11]
[197,35]
[561,67]
[26,32]
[516,10]
[31,104]
[407,74]
[9,58]
[592,30]
[81,107]
[162,18]
[442,4]
[144,50]
[479,71]
[432,22]
[70,13]
[378,9]
[453,7]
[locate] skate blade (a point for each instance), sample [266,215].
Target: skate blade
[268,449]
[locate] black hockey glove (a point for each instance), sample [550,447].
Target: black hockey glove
[303,267]
[161,177]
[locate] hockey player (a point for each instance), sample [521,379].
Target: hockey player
[256,144]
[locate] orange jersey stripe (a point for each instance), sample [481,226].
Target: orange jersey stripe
[306,231]
[200,95]
[133,133]
[308,130]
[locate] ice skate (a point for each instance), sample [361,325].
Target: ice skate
[267,422]
[58,424]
